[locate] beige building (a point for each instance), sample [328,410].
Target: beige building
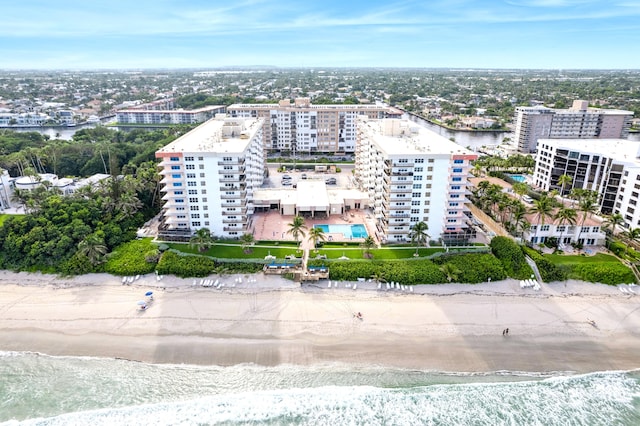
[302,127]
[577,122]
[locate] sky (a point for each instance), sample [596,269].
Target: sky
[498,34]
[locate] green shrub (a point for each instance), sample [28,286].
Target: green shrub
[605,273]
[617,248]
[548,271]
[137,257]
[185,266]
[474,267]
[511,256]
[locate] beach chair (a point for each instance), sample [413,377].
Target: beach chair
[379,286]
[355,286]
[411,289]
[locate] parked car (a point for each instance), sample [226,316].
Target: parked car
[287,182]
[286,177]
[331,181]
[304,176]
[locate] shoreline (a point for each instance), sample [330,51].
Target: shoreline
[272,321]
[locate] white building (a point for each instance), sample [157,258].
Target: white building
[306,128]
[209,176]
[577,122]
[163,116]
[413,175]
[610,167]
[587,233]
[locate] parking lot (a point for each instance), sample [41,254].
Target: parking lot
[276,179]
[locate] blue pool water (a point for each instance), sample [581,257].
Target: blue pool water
[349,231]
[517,178]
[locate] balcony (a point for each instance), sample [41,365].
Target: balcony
[234,229]
[238,194]
[240,220]
[241,203]
[236,162]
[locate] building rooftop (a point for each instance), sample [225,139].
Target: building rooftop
[221,134]
[619,149]
[401,137]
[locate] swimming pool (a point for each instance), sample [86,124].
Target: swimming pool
[349,231]
[517,178]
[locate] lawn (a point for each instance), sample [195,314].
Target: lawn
[381,253]
[563,259]
[236,252]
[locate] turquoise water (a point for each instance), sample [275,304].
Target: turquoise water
[42,390]
[517,178]
[349,231]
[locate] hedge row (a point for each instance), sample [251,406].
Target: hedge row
[137,257]
[475,267]
[548,271]
[511,256]
[605,273]
[187,266]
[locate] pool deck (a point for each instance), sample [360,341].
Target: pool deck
[274,226]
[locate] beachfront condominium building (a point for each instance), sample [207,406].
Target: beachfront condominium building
[610,167]
[209,175]
[413,175]
[162,116]
[301,127]
[577,122]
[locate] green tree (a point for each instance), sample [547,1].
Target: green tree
[587,205]
[367,245]
[316,234]
[93,248]
[247,240]
[202,240]
[564,180]
[613,222]
[419,235]
[543,209]
[297,228]
[450,271]
[566,215]
[633,235]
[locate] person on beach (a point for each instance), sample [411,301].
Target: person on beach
[506,332]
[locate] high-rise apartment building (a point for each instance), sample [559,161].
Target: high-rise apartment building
[306,128]
[164,116]
[577,122]
[610,167]
[209,176]
[413,175]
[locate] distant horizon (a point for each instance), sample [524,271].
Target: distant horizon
[395,34]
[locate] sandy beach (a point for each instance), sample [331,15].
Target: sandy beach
[269,321]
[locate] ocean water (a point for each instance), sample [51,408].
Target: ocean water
[37,389]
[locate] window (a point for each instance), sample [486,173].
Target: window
[428,186]
[195,208]
[415,195]
[177,183]
[195,215]
[415,203]
[177,192]
[415,219]
[190,167]
[418,177]
[458,161]
[179,200]
[453,204]
[451,220]
[203,191]
[175,167]
[193,192]
[200,158]
[201,166]
[561,228]
[595,229]
[415,211]
[544,228]
[427,194]
[457,170]
[204,199]
[430,160]
[584,229]
[195,224]
[455,195]
[191,175]
[193,200]
[201,175]
[189,158]
[175,159]
[417,186]
[176,176]
[457,179]
[430,168]
[419,160]
[191,183]
[454,187]
[417,169]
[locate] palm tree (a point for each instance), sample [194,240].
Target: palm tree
[613,221]
[566,215]
[633,234]
[419,235]
[542,208]
[367,245]
[451,271]
[201,240]
[297,227]
[93,248]
[316,234]
[247,241]
[378,277]
[587,206]
[564,180]
[520,188]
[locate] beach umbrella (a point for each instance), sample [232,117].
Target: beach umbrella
[149,294]
[142,302]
